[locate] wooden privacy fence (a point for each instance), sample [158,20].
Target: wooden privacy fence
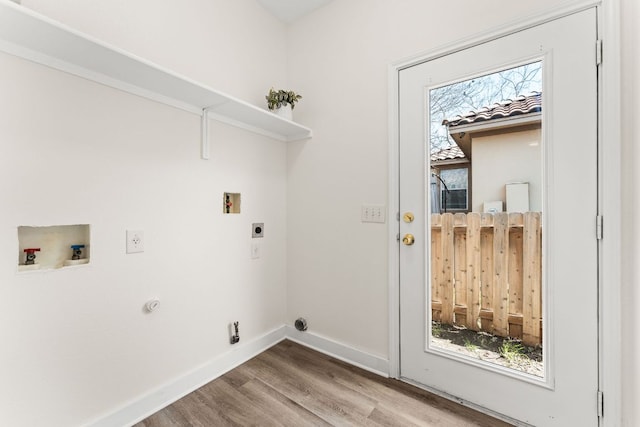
[486,273]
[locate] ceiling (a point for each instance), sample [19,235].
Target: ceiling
[290,10]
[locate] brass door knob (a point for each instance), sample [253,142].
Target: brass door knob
[408,239]
[408,217]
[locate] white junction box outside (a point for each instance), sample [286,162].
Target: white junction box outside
[494,206]
[517,197]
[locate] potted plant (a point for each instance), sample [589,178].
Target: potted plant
[282,102]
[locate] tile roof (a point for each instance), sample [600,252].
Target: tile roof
[453,152]
[509,108]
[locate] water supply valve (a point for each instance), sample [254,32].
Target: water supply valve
[77,251]
[228,203]
[31,255]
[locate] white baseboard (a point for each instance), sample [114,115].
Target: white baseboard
[163,396]
[361,359]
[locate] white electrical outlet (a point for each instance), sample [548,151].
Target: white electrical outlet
[255,250]
[135,241]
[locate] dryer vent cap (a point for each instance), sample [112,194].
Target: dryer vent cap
[301,324]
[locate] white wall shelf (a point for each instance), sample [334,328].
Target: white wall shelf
[35,37]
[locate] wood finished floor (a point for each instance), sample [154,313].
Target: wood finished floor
[291,385]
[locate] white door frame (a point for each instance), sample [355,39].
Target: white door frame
[609,198]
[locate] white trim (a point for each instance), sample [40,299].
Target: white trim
[340,351]
[205,146]
[568,8]
[496,124]
[610,207]
[153,401]
[140,408]
[394,226]
[610,200]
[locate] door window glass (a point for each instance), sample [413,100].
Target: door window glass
[485,200]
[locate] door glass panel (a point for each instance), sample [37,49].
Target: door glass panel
[485,205]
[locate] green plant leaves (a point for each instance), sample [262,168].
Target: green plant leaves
[276,99]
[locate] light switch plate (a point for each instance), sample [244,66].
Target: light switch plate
[373,213]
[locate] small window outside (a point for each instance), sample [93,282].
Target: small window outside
[454,192]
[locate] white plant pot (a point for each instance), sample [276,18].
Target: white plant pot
[285,112]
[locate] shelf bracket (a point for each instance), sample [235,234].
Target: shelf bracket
[204,144]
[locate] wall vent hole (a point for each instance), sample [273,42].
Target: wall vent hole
[301,324]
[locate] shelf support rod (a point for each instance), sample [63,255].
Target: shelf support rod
[204,144]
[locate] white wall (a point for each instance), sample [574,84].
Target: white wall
[501,159]
[338,60]
[76,343]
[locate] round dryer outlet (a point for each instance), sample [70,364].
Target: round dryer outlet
[301,324]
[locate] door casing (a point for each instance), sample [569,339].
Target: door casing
[609,195]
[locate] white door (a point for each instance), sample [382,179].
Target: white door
[563,392]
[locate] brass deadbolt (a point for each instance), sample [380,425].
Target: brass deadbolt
[408,217]
[408,239]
